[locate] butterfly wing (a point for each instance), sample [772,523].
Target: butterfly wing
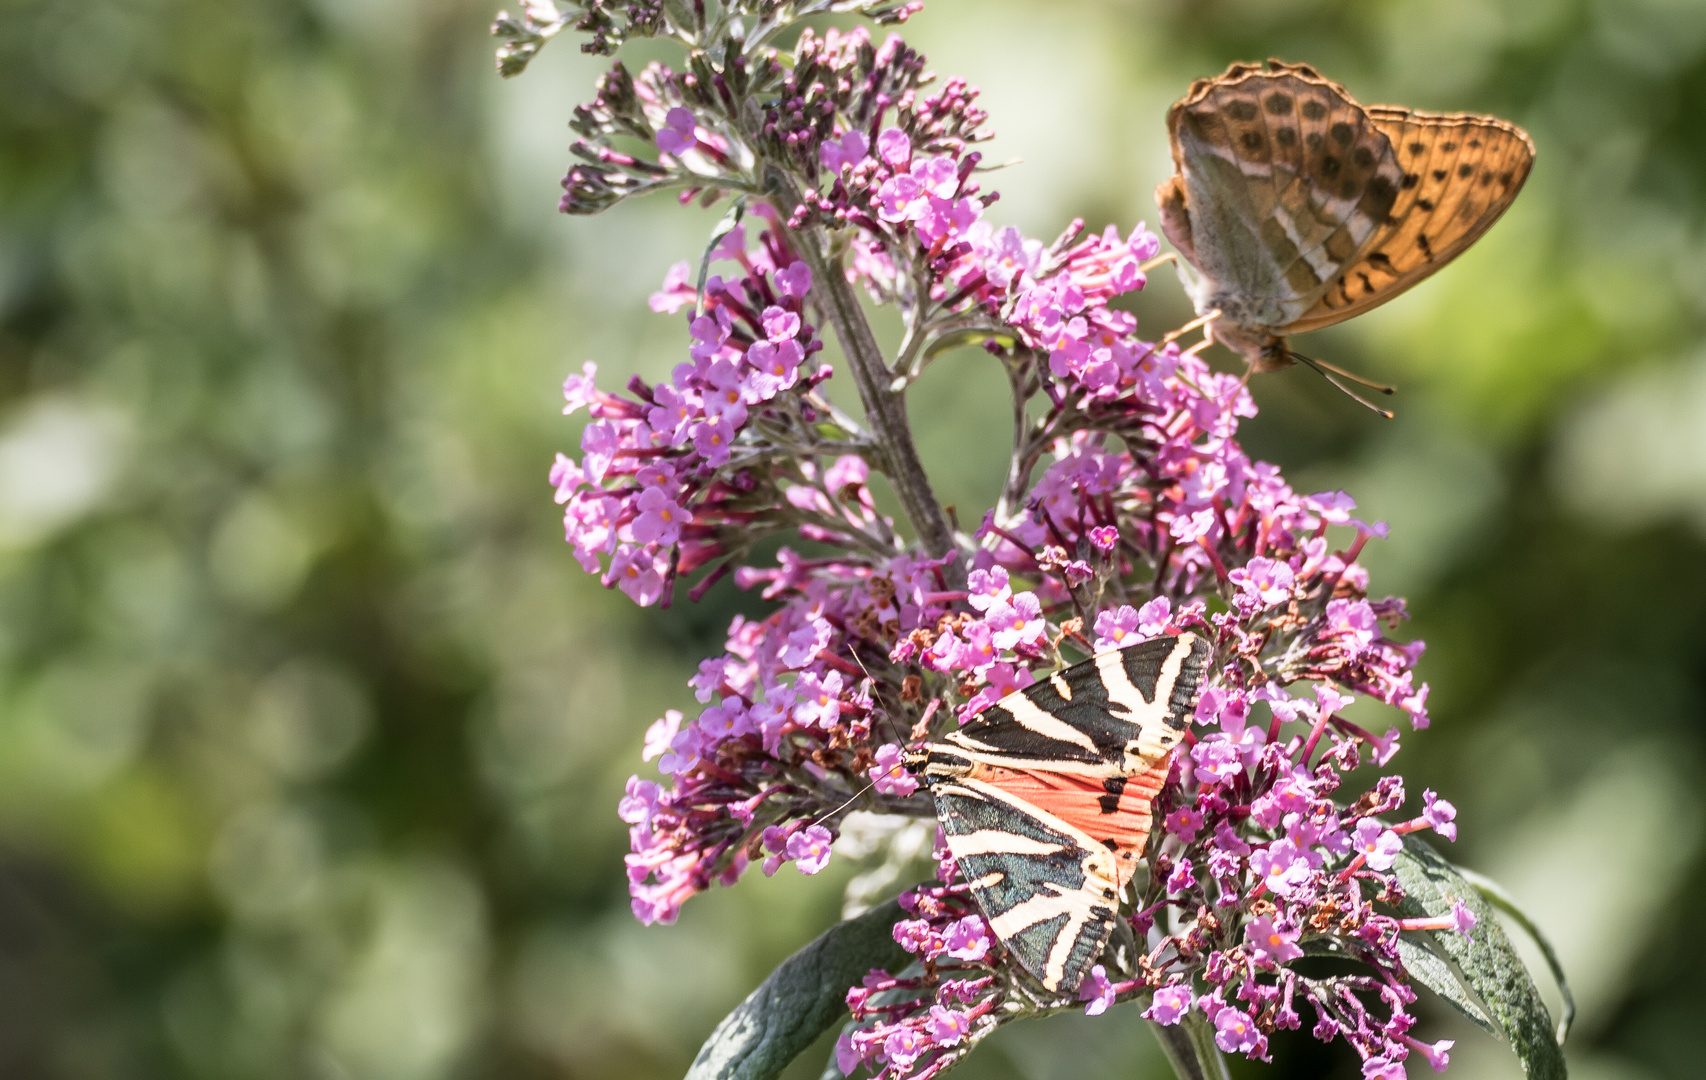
[1045,797]
[1460,173]
[1281,179]
[1051,894]
[1112,715]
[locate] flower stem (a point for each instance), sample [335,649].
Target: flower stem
[1189,1046]
[885,408]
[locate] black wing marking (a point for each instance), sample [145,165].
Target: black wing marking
[1117,712]
[1048,890]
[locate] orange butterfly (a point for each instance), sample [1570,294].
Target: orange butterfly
[1298,208]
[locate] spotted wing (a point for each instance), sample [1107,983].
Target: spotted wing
[1460,173]
[1282,178]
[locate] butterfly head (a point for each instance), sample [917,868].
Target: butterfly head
[915,757]
[1264,351]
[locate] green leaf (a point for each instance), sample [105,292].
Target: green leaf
[800,1000]
[1495,894]
[1435,974]
[1490,967]
[731,219]
[961,338]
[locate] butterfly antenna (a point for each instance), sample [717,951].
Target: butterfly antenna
[1323,371]
[1351,375]
[895,770]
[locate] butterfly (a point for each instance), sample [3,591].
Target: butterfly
[1044,797]
[1298,208]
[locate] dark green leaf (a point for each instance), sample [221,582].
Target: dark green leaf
[1495,894]
[1489,965]
[1435,974]
[800,1000]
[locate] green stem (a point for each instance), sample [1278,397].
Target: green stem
[1190,1048]
[885,408]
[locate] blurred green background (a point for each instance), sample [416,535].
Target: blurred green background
[311,730]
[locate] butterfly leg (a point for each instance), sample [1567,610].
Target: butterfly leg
[1200,320]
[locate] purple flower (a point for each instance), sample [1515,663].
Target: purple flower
[1182,879]
[636,573]
[1435,1053]
[1266,580]
[903,199]
[809,848]
[1351,620]
[712,438]
[847,1057]
[1270,944]
[894,147]
[1019,622]
[1229,841]
[1096,991]
[1235,1032]
[677,135]
[724,394]
[988,588]
[1439,814]
[660,520]
[1116,627]
[775,367]
[850,149]
[905,1046]
[1010,256]
[1218,758]
[1104,538]
[967,939]
[1378,845]
[1153,617]
[566,477]
[1281,866]
[946,1026]
[1169,1005]
[818,699]
[677,292]
[847,470]
[639,801]
[780,324]
[1382,1068]
[795,279]
[661,734]
[578,390]
[1462,919]
[888,776]
[673,414]
[709,332]
[1183,823]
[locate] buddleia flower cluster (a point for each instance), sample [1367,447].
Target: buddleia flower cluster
[1129,510]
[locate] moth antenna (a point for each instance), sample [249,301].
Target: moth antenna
[1343,389]
[894,771]
[1351,375]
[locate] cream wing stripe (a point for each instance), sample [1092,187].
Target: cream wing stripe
[1121,691]
[1041,722]
[996,842]
[1039,908]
